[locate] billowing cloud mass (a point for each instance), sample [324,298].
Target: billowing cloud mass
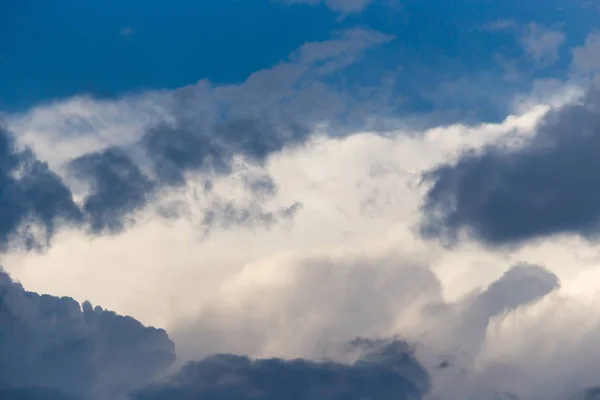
[118,188]
[80,350]
[385,200]
[386,371]
[32,196]
[547,186]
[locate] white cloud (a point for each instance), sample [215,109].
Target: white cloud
[58,132]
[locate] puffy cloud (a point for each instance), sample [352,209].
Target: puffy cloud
[303,306]
[348,266]
[386,371]
[53,342]
[508,194]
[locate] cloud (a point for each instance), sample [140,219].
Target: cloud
[585,58]
[167,141]
[542,44]
[386,371]
[19,392]
[507,195]
[348,266]
[302,306]
[53,342]
[34,199]
[341,6]
[118,188]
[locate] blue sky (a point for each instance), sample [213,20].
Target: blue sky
[308,199]
[56,49]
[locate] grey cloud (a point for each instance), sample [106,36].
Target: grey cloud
[387,372]
[342,51]
[328,302]
[503,195]
[586,58]
[210,126]
[520,285]
[592,394]
[55,349]
[542,44]
[273,108]
[54,342]
[118,188]
[20,392]
[261,185]
[31,196]
[226,214]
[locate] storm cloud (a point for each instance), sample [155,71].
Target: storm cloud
[81,350]
[507,195]
[386,371]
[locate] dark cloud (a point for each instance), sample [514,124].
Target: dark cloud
[209,127]
[386,372]
[17,392]
[592,394]
[31,196]
[503,195]
[52,342]
[174,151]
[118,188]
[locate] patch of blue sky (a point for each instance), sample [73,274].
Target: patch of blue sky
[460,58]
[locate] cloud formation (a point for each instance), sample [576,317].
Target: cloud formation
[194,134]
[56,343]
[506,194]
[20,392]
[386,371]
[33,198]
[117,188]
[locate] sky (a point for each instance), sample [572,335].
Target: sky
[299,199]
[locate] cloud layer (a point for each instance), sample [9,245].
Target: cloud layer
[504,195]
[82,350]
[386,371]
[120,194]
